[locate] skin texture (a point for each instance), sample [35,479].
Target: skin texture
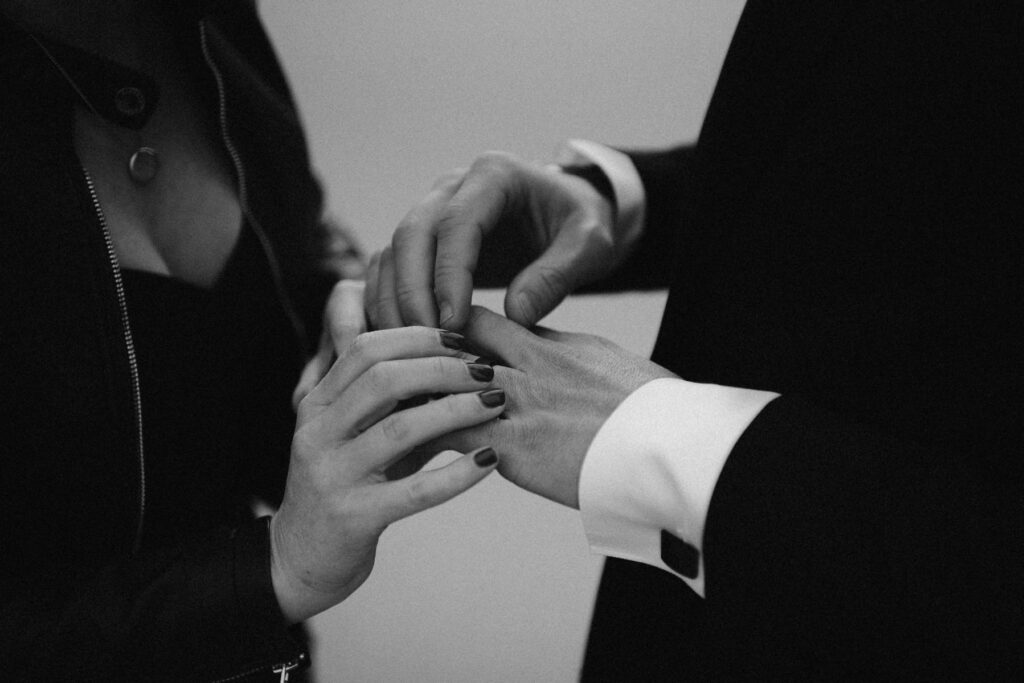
[184,223]
[338,498]
[426,276]
[561,388]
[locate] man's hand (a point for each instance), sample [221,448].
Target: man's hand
[426,276]
[561,388]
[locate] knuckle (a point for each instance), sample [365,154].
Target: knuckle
[407,228]
[492,162]
[395,428]
[407,292]
[554,281]
[361,347]
[417,493]
[439,366]
[380,378]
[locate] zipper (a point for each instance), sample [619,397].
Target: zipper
[285,670]
[243,194]
[299,328]
[129,343]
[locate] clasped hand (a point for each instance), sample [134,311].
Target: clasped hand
[338,499]
[561,387]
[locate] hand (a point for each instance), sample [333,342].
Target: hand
[426,276]
[337,500]
[561,388]
[343,321]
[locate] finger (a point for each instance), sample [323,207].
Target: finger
[390,439]
[315,369]
[414,245]
[427,489]
[473,211]
[371,348]
[497,336]
[370,293]
[562,268]
[343,315]
[376,393]
[388,315]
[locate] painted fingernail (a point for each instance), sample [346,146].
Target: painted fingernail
[485,457]
[452,340]
[481,373]
[484,360]
[492,398]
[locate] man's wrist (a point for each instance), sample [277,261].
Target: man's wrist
[629,199]
[597,178]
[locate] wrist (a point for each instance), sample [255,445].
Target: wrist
[288,597]
[597,178]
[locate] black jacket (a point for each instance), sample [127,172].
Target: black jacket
[78,599]
[847,232]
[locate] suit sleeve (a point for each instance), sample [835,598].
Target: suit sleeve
[821,527]
[667,177]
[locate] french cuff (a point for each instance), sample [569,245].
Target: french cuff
[649,473]
[630,200]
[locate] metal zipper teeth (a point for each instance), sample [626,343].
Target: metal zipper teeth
[275,270]
[129,343]
[243,193]
[284,669]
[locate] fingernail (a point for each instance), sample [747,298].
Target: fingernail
[452,340]
[492,398]
[485,457]
[484,360]
[480,372]
[446,313]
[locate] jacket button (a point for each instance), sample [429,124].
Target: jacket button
[130,101]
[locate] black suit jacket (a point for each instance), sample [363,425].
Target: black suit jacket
[847,232]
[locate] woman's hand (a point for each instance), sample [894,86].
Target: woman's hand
[561,389]
[338,500]
[343,322]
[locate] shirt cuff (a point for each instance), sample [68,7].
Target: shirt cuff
[653,466]
[630,199]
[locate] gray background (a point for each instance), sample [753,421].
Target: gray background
[496,585]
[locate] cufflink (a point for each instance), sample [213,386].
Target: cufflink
[680,556]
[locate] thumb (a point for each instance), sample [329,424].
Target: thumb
[542,285]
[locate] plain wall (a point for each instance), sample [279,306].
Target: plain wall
[496,585]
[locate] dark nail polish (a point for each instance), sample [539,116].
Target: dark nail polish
[452,340]
[492,398]
[485,458]
[481,373]
[484,360]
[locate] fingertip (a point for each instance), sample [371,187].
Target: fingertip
[520,309]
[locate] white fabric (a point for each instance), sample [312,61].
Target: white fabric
[630,200]
[654,464]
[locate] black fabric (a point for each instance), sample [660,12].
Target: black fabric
[76,601]
[849,236]
[214,392]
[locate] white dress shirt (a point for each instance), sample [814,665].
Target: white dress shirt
[653,465]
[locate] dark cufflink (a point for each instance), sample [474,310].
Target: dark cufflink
[680,556]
